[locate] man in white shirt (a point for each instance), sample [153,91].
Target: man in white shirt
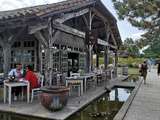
[17,72]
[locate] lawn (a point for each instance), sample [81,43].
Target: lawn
[129,61]
[133,71]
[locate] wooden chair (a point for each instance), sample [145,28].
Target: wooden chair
[92,82]
[75,84]
[35,90]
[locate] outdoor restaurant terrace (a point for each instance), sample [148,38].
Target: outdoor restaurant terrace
[59,41]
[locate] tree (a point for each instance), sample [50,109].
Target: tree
[130,46]
[144,14]
[128,41]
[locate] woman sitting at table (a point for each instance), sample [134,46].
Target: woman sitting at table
[31,77]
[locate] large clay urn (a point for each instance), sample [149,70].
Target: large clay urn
[54,98]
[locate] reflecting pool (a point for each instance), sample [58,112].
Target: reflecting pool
[105,107]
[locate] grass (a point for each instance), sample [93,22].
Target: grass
[132,71]
[128,61]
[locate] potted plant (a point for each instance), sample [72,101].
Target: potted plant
[54,97]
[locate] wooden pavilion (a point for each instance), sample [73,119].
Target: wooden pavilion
[62,36]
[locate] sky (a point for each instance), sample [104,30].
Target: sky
[125,28]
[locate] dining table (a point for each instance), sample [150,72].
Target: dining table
[82,79]
[8,87]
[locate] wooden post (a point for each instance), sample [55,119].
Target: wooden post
[106,57]
[49,50]
[7,58]
[87,61]
[97,60]
[40,56]
[89,48]
[116,62]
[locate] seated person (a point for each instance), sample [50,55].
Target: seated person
[17,72]
[31,77]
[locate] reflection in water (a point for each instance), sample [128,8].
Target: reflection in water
[104,108]
[10,116]
[119,94]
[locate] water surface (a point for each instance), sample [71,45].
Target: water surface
[105,107]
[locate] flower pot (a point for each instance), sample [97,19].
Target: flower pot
[54,98]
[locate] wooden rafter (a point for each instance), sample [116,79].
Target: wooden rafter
[113,38]
[105,43]
[35,28]
[97,13]
[68,29]
[57,26]
[41,38]
[68,16]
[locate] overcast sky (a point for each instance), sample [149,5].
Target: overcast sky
[126,30]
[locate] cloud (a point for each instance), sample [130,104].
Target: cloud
[15,4]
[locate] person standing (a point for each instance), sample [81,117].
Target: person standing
[143,71]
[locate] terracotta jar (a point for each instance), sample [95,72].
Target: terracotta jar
[54,97]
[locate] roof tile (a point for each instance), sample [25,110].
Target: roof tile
[43,9]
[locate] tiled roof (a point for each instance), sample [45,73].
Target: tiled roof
[55,8]
[44,9]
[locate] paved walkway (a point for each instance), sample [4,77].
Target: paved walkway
[146,104]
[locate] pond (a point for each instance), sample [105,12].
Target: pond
[105,107]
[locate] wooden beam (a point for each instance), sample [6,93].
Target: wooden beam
[113,38]
[38,27]
[59,26]
[13,38]
[105,21]
[7,58]
[68,29]
[105,43]
[41,38]
[100,15]
[68,16]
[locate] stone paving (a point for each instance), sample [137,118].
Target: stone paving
[146,104]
